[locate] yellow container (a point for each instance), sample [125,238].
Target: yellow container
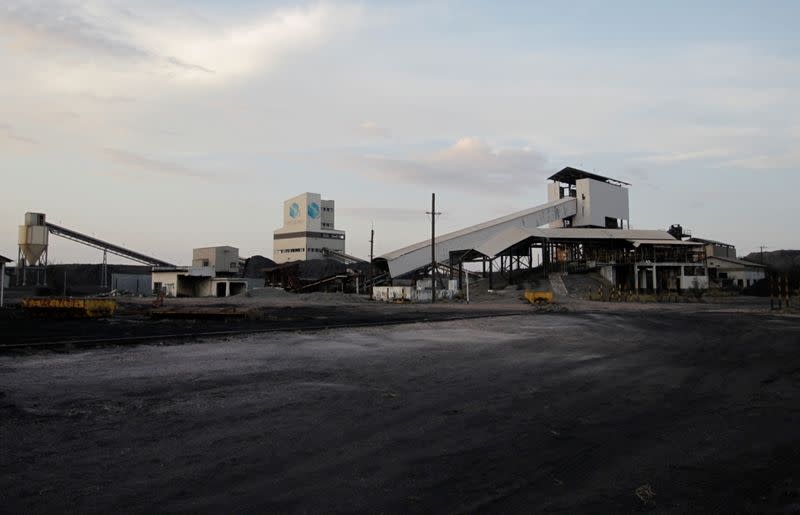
[69,307]
[539,297]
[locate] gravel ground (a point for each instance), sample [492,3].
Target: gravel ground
[666,411]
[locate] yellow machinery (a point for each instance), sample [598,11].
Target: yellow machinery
[69,307]
[539,297]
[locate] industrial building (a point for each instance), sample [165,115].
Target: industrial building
[727,270]
[213,273]
[580,228]
[308,230]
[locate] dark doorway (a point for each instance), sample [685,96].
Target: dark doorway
[221,289]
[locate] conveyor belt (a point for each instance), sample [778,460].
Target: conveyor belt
[105,246]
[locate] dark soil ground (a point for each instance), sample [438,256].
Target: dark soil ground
[648,411]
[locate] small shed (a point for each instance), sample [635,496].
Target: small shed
[4,280]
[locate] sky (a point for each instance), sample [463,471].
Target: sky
[168,125]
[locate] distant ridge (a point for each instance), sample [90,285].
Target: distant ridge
[782,260]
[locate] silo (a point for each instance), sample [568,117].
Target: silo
[33,240]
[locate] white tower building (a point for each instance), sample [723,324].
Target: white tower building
[308,229]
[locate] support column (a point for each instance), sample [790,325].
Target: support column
[491,269]
[636,278]
[655,279]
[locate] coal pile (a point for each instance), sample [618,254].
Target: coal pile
[254,267]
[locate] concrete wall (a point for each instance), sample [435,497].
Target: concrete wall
[303,213]
[597,200]
[167,280]
[223,258]
[721,251]
[303,248]
[328,218]
[741,274]
[553,194]
[182,284]
[688,282]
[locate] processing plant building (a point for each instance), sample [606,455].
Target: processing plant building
[581,227]
[308,230]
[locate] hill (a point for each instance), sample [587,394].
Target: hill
[781,260]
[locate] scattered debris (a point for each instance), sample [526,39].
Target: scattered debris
[646,494]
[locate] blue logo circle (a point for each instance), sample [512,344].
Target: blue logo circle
[313,210]
[294,210]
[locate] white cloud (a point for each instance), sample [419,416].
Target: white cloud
[780,161]
[152,166]
[469,164]
[98,47]
[677,157]
[371,128]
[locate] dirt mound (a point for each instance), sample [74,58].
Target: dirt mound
[579,285]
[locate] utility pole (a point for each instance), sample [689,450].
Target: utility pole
[371,257]
[433,214]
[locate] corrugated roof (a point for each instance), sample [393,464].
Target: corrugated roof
[711,242]
[736,261]
[569,175]
[636,243]
[497,221]
[514,235]
[506,239]
[5,259]
[579,233]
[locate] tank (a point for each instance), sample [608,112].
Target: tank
[33,237]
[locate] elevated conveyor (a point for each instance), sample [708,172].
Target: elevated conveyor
[104,246]
[414,257]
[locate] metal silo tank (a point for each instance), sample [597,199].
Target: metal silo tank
[33,237]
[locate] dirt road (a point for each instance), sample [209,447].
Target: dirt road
[577,413]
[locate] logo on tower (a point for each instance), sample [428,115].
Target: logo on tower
[294,210]
[313,210]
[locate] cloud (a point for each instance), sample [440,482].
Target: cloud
[380,213]
[371,128]
[470,164]
[150,165]
[780,161]
[9,134]
[676,157]
[100,44]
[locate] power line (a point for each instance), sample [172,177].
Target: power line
[433,214]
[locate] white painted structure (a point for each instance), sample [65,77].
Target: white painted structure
[736,272]
[413,257]
[212,274]
[308,228]
[600,202]
[193,281]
